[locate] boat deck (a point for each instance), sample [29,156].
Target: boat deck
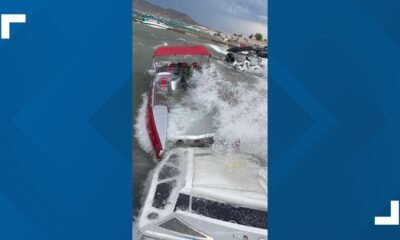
[178,120]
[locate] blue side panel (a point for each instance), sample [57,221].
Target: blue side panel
[334,118]
[65,121]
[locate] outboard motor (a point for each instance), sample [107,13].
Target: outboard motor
[230,57]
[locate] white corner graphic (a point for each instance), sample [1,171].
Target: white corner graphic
[7,20]
[393,219]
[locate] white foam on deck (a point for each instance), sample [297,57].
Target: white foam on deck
[185,120]
[237,109]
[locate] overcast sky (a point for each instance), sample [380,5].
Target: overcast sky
[236,16]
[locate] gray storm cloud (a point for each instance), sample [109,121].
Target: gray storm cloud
[239,16]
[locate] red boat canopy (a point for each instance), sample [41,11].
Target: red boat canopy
[181,50]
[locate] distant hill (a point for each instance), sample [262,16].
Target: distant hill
[144,6]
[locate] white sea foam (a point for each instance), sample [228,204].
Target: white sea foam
[142,198]
[239,115]
[241,110]
[238,107]
[217,48]
[135,231]
[150,71]
[160,45]
[140,127]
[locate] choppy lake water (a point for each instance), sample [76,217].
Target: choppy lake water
[239,101]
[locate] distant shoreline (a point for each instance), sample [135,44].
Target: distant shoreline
[229,44]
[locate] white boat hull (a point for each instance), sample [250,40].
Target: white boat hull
[157,25]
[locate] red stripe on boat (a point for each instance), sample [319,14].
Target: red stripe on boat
[152,129]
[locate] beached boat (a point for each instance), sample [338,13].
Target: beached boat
[154,22]
[174,67]
[198,194]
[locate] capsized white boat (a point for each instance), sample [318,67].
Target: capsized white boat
[198,194]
